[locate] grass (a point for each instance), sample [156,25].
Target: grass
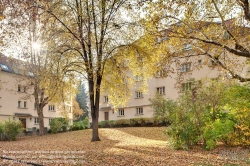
[119,146]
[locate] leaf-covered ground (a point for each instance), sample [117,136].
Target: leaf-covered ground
[123,146]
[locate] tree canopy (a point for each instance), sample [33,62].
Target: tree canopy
[217,29]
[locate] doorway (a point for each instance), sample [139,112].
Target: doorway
[23,120]
[106,115]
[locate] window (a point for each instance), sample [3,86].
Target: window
[106,99]
[161,73]
[25,104]
[186,67]
[138,78]
[51,108]
[19,104]
[186,86]
[200,62]
[19,88]
[121,112]
[24,89]
[69,109]
[31,74]
[50,120]
[139,110]
[161,90]
[139,94]
[187,47]
[36,120]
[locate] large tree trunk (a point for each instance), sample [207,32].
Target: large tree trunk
[95,133]
[94,96]
[41,121]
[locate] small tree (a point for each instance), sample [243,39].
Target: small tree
[81,99]
[162,108]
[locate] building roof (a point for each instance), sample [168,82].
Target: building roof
[6,63]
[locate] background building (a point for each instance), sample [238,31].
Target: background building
[17,101]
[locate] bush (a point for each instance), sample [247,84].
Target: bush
[122,123]
[136,122]
[104,124]
[1,132]
[10,129]
[80,125]
[58,124]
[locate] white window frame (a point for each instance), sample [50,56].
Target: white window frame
[25,104]
[121,112]
[160,73]
[19,104]
[139,111]
[139,94]
[36,120]
[138,78]
[186,86]
[105,99]
[52,108]
[161,90]
[186,67]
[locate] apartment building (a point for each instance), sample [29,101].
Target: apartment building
[17,101]
[188,69]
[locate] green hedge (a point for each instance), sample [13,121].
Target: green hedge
[134,122]
[81,125]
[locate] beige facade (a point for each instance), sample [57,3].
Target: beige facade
[171,87]
[17,103]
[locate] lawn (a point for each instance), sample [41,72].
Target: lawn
[119,146]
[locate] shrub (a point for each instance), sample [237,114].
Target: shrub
[80,125]
[1,132]
[58,124]
[122,123]
[112,123]
[10,129]
[104,124]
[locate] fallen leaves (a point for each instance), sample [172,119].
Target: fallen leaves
[122,146]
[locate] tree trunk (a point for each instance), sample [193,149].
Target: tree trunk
[41,121]
[95,134]
[94,106]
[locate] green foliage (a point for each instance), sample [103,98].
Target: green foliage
[162,109]
[81,98]
[219,130]
[122,123]
[238,104]
[134,122]
[211,112]
[80,125]
[104,124]
[58,124]
[1,132]
[10,129]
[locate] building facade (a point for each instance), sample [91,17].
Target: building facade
[18,103]
[170,87]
